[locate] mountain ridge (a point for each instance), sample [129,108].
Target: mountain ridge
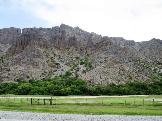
[38,53]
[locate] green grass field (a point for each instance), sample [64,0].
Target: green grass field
[124,105]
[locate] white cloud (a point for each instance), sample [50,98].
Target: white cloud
[132,19]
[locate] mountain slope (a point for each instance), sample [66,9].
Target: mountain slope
[38,53]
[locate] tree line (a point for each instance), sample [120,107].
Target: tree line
[69,85]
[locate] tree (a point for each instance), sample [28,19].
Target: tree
[24,88]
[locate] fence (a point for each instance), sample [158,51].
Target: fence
[44,100]
[78,101]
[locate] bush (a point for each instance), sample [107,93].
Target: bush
[68,85]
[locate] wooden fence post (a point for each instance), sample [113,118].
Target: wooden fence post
[44,101]
[31,101]
[55,101]
[51,101]
[125,102]
[102,101]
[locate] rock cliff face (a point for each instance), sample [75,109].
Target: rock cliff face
[38,53]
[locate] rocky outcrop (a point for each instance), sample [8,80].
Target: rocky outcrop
[37,53]
[9,35]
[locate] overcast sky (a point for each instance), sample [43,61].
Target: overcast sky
[138,20]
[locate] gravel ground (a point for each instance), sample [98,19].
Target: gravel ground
[25,116]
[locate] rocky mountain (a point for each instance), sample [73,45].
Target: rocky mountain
[38,53]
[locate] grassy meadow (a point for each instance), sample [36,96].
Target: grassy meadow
[123,105]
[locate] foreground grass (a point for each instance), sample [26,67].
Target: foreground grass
[84,109]
[132,105]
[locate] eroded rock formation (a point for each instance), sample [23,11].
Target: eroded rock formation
[37,53]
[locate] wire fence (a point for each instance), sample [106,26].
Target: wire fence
[79,101]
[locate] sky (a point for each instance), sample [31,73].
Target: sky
[139,20]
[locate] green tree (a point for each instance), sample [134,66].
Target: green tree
[24,88]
